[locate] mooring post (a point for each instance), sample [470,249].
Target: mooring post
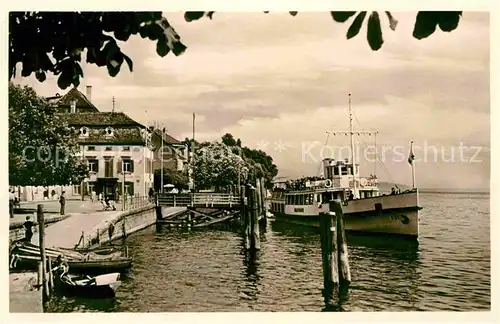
[158,212]
[255,220]
[40,276]
[51,276]
[343,256]
[264,201]
[245,207]
[259,197]
[329,258]
[41,240]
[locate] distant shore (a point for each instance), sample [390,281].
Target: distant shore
[456,191]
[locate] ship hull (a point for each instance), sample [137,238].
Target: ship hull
[389,215]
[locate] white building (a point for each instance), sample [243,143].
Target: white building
[116,148]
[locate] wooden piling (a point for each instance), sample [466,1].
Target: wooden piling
[245,215]
[255,242]
[39,275]
[343,256]
[329,258]
[51,275]
[259,196]
[158,212]
[41,241]
[264,202]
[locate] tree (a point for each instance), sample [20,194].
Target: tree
[258,162]
[177,178]
[42,149]
[229,140]
[54,41]
[217,166]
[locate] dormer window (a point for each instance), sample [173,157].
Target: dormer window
[109,131]
[72,106]
[84,131]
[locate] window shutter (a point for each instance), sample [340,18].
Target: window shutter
[96,165]
[131,165]
[111,173]
[131,188]
[119,166]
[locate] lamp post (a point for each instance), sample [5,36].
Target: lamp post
[161,152]
[123,185]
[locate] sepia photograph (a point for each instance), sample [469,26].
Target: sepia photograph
[265,161]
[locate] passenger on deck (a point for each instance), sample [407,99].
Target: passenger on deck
[393,191]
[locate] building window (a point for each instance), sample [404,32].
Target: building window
[76,190]
[84,131]
[93,165]
[128,165]
[109,148]
[109,131]
[90,148]
[126,148]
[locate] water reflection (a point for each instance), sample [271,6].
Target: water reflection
[378,265]
[59,304]
[252,277]
[207,269]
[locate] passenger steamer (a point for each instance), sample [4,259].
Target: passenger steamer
[365,208]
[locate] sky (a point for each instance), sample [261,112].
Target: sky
[279,83]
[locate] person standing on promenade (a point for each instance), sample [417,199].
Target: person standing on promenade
[28,228]
[11,203]
[62,201]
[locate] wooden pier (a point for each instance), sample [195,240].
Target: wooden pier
[212,200]
[246,210]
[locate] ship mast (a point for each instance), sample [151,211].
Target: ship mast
[355,193]
[351,132]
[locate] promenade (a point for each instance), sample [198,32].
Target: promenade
[84,215]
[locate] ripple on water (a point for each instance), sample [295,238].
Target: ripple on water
[208,271]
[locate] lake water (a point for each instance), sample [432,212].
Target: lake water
[208,271]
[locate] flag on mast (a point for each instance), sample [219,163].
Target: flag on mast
[411,156]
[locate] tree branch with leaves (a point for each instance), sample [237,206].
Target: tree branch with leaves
[55,41]
[42,149]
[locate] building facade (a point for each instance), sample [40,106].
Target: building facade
[121,154]
[117,149]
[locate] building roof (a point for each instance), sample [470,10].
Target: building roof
[98,119]
[121,136]
[166,138]
[73,94]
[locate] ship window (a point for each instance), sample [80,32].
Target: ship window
[336,171]
[349,170]
[344,170]
[308,200]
